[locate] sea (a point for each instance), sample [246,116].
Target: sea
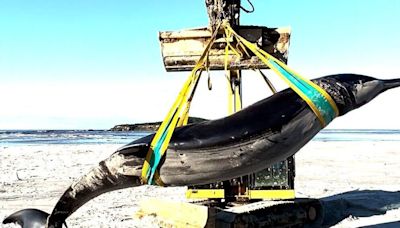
[10,138]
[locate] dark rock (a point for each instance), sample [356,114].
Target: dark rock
[152,126]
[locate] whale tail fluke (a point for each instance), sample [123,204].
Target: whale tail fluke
[28,218]
[109,175]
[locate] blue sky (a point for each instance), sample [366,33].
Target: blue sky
[93,64]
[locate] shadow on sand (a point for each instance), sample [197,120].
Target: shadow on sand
[364,203]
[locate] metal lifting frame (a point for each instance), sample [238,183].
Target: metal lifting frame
[181,51]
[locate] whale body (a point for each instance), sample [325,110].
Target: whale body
[246,142]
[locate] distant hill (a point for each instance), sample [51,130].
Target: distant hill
[152,126]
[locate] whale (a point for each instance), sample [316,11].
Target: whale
[216,150]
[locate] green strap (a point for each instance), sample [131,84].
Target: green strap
[322,104]
[317,99]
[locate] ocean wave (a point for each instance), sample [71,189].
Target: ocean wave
[358,135]
[35,137]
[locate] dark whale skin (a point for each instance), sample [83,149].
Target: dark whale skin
[245,142]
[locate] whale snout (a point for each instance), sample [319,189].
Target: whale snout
[365,91]
[391,83]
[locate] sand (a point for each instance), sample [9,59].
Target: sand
[358,182]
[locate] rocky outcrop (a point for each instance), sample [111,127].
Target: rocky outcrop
[136,127]
[152,126]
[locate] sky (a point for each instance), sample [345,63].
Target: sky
[83,64]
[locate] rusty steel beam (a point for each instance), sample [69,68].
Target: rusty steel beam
[181,49]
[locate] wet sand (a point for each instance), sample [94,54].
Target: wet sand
[36,176]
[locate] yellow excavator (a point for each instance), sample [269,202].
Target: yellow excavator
[265,198]
[180,52]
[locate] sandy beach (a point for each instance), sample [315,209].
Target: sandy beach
[363,172]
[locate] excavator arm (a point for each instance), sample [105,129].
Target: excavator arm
[219,10]
[182,49]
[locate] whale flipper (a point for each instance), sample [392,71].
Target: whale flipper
[28,218]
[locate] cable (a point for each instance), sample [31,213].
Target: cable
[246,10]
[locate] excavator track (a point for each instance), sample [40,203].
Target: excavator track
[291,213]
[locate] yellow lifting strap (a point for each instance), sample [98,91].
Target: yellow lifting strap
[177,116]
[234,96]
[317,99]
